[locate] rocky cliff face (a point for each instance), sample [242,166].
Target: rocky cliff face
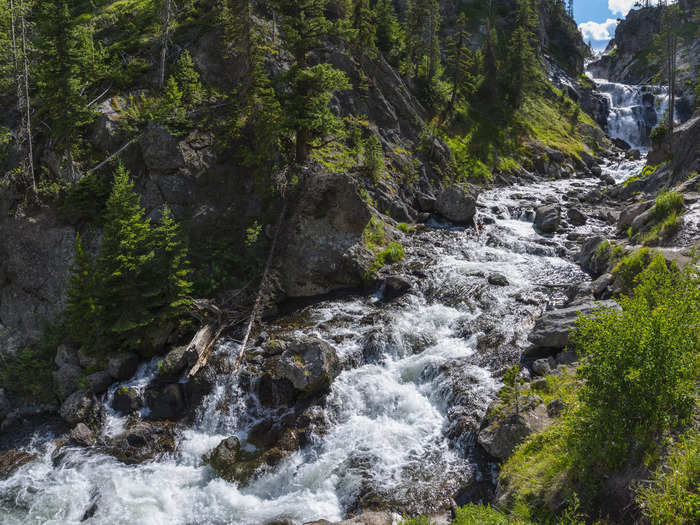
[630,57]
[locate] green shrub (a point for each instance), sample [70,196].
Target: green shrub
[628,268]
[667,203]
[85,200]
[374,160]
[421,520]
[394,252]
[673,498]
[639,366]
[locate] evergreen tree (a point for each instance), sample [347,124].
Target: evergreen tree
[523,70]
[365,27]
[172,269]
[63,71]
[303,26]
[125,293]
[461,62]
[388,27]
[422,37]
[188,80]
[82,311]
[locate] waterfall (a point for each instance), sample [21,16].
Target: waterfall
[634,110]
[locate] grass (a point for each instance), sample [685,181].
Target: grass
[629,267]
[385,250]
[673,496]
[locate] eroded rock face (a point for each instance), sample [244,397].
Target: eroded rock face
[457,204]
[323,248]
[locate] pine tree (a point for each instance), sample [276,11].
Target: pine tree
[126,295]
[62,72]
[188,80]
[388,27]
[522,58]
[172,269]
[461,62]
[304,26]
[365,27]
[82,310]
[422,36]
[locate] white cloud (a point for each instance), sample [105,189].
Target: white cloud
[598,31]
[621,7]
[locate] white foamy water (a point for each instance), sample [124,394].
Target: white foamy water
[387,417]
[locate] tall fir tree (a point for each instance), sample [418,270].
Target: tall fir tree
[422,43]
[188,80]
[82,311]
[522,71]
[304,27]
[388,28]
[365,28]
[460,62]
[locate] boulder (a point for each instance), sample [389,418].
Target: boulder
[86,360]
[165,402]
[643,221]
[457,204]
[142,442]
[309,363]
[426,203]
[82,435]
[99,382]
[602,286]
[634,154]
[123,366]
[541,367]
[548,218]
[498,279]
[506,431]
[160,149]
[551,331]
[81,407]
[66,379]
[126,400]
[630,212]
[11,460]
[200,384]
[395,286]
[224,458]
[555,408]
[620,143]
[576,217]
[175,362]
[590,258]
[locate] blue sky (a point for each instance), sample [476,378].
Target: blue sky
[597,19]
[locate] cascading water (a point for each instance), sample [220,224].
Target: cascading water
[634,110]
[399,426]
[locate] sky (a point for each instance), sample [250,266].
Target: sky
[597,19]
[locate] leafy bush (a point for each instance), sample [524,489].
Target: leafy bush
[628,268]
[640,366]
[673,497]
[85,200]
[667,203]
[394,252]
[481,515]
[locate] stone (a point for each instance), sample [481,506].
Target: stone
[166,402]
[200,384]
[160,149]
[395,286]
[634,154]
[601,287]
[426,203]
[82,435]
[498,279]
[224,457]
[175,362]
[506,431]
[555,408]
[5,405]
[541,367]
[99,382]
[576,217]
[540,384]
[548,218]
[630,212]
[126,400]
[642,221]
[12,460]
[86,360]
[620,143]
[457,204]
[66,379]
[309,363]
[123,367]
[590,259]
[143,441]
[81,407]
[567,357]
[552,329]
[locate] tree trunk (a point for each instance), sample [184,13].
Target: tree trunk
[27,105]
[164,42]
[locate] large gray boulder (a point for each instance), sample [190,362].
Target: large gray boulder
[66,379]
[510,428]
[309,363]
[160,149]
[548,218]
[143,441]
[165,402]
[175,361]
[81,407]
[224,457]
[126,400]
[552,330]
[457,204]
[123,366]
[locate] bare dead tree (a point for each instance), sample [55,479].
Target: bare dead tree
[164,40]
